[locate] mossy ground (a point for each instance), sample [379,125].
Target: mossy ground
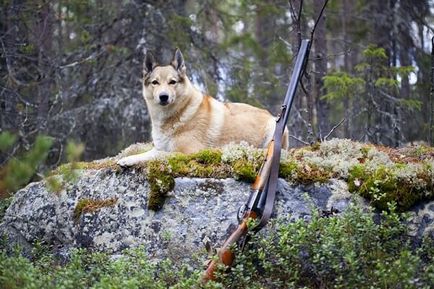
[381,174]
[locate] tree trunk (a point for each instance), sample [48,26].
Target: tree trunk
[320,63]
[346,14]
[43,40]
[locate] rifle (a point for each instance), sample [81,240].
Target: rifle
[259,206]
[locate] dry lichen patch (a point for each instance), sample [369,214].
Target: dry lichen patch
[97,165]
[91,205]
[411,154]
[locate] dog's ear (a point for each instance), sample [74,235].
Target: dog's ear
[149,63]
[178,61]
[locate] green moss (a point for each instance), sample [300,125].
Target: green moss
[54,184]
[383,186]
[161,173]
[304,173]
[365,150]
[185,165]
[311,173]
[204,164]
[315,146]
[161,181]
[208,157]
[245,170]
[287,169]
[91,205]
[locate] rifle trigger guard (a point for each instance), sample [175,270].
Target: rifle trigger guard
[241,212]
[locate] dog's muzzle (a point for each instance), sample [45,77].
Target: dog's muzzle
[164,99]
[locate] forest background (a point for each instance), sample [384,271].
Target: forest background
[72,69]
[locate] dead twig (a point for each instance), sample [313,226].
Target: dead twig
[333,129]
[300,140]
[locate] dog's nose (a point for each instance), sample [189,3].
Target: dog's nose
[164,97]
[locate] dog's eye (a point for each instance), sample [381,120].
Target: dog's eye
[154,82]
[172,82]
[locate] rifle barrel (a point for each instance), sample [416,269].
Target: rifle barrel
[295,78]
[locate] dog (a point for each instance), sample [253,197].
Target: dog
[185,120]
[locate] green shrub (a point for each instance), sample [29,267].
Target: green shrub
[354,250]
[350,251]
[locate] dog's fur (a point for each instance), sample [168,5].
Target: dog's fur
[184,120]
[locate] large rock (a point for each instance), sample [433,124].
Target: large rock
[196,210]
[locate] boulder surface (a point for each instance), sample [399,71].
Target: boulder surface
[106,210]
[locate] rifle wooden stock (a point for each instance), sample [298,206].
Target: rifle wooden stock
[225,256]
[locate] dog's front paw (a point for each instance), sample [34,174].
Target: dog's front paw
[128,161]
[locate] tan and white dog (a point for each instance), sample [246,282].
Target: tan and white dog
[185,120]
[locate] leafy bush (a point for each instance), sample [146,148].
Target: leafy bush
[350,251]
[354,250]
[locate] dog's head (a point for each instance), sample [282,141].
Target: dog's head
[163,84]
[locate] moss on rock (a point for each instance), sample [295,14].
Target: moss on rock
[93,165]
[204,164]
[380,174]
[161,181]
[245,171]
[91,205]
[405,184]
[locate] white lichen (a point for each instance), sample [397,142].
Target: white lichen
[376,159]
[337,155]
[233,152]
[409,174]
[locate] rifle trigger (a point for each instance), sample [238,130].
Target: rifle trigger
[241,212]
